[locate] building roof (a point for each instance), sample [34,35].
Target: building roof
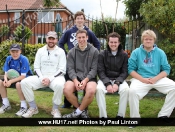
[24,4]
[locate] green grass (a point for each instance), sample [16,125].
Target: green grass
[149,107]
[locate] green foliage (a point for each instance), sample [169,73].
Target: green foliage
[4,29]
[160,14]
[30,51]
[51,3]
[169,49]
[100,30]
[132,8]
[4,51]
[18,32]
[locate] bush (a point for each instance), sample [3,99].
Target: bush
[4,29]
[169,49]
[100,30]
[18,33]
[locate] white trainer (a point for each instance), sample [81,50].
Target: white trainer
[30,112]
[4,108]
[56,113]
[21,111]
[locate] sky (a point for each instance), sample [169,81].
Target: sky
[92,7]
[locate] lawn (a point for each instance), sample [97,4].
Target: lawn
[149,107]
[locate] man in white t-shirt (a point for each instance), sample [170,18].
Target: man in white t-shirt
[50,67]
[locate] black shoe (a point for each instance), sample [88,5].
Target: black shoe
[119,117]
[84,114]
[165,119]
[65,106]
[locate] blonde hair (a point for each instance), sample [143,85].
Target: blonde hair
[148,33]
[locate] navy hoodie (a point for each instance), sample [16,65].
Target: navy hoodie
[69,37]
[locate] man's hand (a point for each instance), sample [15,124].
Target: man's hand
[5,83]
[45,82]
[146,80]
[115,88]
[8,83]
[83,83]
[153,80]
[109,89]
[77,84]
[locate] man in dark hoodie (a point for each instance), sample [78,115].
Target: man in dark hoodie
[69,38]
[112,72]
[82,70]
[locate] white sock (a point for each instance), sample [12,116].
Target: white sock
[5,101]
[23,104]
[78,111]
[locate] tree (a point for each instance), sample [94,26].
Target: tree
[18,33]
[160,14]
[99,28]
[132,8]
[51,3]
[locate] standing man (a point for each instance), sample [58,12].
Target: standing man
[69,38]
[149,68]
[82,71]
[50,67]
[112,72]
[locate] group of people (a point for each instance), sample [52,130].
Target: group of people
[66,73]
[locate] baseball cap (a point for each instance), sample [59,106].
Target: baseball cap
[52,34]
[15,47]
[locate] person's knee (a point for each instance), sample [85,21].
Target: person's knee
[23,82]
[67,91]
[1,83]
[132,92]
[58,87]
[90,92]
[124,90]
[18,85]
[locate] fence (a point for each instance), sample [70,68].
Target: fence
[39,30]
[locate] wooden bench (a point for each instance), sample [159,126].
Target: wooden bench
[151,93]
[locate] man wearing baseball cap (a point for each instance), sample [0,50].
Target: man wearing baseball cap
[50,67]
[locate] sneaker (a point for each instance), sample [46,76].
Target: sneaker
[30,112]
[21,111]
[4,108]
[84,114]
[71,115]
[56,113]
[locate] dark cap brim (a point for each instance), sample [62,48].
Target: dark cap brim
[15,49]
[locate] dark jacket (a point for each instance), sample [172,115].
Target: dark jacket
[69,38]
[112,67]
[82,64]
